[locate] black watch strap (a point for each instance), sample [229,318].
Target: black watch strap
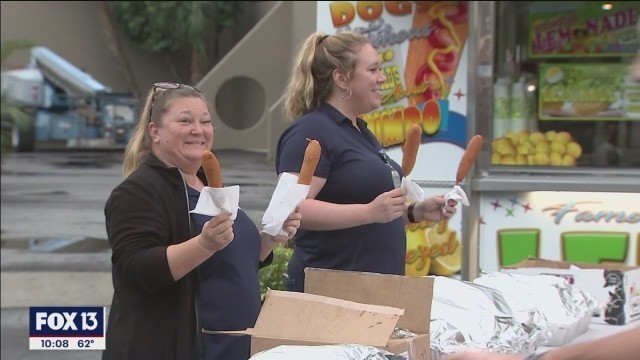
[410,216]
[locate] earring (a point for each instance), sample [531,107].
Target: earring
[347,94]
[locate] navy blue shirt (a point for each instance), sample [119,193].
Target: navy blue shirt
[228,297]
[355,173]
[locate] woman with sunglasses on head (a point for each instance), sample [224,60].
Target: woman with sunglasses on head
[354,216]
[175,272]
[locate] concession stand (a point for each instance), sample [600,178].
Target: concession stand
[548,86]
[554,96]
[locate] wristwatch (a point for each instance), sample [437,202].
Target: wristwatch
[410,216]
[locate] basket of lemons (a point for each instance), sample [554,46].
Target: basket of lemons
[534,148]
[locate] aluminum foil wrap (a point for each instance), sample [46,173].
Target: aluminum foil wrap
[467,316]
[325,352]
[567,310]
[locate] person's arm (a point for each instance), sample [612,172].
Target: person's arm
[322,215]
[624,345]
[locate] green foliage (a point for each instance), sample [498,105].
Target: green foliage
[12,114]
[271,276]
[10,46]
[170,25]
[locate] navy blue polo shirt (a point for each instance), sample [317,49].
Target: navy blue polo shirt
[355,173]
[228,296]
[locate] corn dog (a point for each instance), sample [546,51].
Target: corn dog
[211,168]
[311,158]
[469,157]
[410,148]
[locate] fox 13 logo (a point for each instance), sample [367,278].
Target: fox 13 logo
[67,328]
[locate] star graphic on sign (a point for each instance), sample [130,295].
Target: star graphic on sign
[510,212]
[496,204]
[526,207]
[481,221]
[459,94]
[514,201]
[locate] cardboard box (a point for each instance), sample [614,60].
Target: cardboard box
[615,286]
[290,318]
[413,294]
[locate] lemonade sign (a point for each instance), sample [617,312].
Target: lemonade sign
[584,28]
[588,92]
[432,248]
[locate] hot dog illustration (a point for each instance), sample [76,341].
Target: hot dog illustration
[469,157]
[410,148]
[432,61]
[311,158]
[211,167]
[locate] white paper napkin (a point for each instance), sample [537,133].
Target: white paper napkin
[458,195]
[414,191]
[287,195]
[215,201]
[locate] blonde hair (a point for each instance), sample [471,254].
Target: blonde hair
[156,105]
[311,77]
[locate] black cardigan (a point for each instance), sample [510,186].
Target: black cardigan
[151,316]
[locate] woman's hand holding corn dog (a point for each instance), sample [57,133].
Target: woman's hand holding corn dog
[217,233]
[290,226]
[434,208]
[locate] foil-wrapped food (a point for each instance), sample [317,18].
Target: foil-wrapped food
[567,310]
[326,352]
[467,316]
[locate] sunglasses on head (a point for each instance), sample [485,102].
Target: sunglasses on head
[168,86]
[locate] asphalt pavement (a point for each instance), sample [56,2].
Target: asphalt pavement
[54,248]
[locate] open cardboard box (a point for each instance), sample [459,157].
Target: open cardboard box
[311,318]
[615,286]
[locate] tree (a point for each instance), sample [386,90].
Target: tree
[13,116]
[171,26]
[113,43]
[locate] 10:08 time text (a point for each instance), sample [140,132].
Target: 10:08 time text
[64,344]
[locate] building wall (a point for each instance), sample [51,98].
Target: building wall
[247,85]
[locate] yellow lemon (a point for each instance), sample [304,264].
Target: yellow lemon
[417,261]
[558,147]
[536,137]
[555,159]
[574,149]
[524,148]
[550,135]
[531,159]
[521,160]
[541,159]
[505,148]
[568,160]
[513,137]
[563,137]
[495,158]
[508,160]
[446,252]
[542,147]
